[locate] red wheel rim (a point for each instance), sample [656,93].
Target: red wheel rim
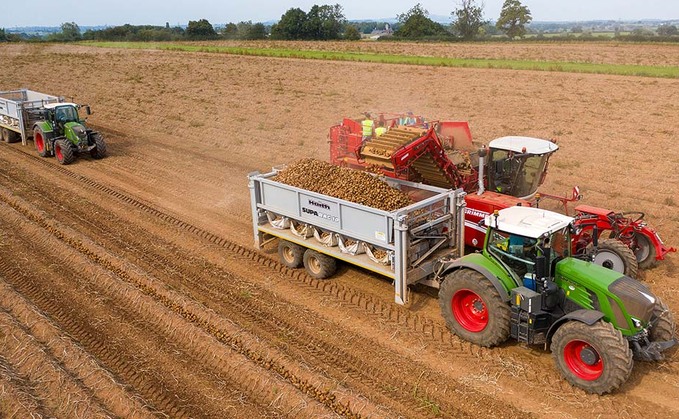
[583,360]
[39,144]
[469,310]
[57,151]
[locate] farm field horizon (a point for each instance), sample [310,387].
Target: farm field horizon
[133,285]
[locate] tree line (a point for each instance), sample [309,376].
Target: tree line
[328,22]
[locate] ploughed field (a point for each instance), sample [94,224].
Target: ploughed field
[130,286]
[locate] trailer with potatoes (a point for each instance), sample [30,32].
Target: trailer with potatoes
[525,283]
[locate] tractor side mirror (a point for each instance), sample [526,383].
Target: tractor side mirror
[88,110]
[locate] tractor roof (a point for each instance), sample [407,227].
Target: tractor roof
[528,221]
[54,105]
[517,144]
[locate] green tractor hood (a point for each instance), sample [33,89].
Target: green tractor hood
[624,301]
[76,133]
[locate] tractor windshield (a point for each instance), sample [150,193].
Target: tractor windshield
[65,114]
[516,174]
[517,252]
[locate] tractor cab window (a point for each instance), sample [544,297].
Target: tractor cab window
[559,242]
[515,174]
[64,114]
[517,252]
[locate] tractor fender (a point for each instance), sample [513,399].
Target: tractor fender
[589,317]
[460,264]
[45,126]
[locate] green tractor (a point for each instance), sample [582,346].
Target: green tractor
[60,132]
[527,285]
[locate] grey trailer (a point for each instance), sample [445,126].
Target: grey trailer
[19,110]
[409,245]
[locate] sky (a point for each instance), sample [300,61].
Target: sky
[158,12]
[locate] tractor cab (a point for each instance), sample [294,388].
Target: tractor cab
[517,165]
[61,114]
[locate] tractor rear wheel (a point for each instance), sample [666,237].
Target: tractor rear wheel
[99,151]
[64,151]
[40,142]
[473,309]
[663,325]
[291,255]
[596,358]
[615,255]
[318,265]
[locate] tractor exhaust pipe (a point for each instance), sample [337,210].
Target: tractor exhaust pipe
[482,165]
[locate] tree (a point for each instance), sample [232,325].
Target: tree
[230,31]
[325,22]
[291,26]
[415,23]
[3,35]
[667,30]
[249,31]
[70,32]
[201,29]
[513,18]
[468,19]
[351,33]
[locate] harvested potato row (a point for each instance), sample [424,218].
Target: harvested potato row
[340,182]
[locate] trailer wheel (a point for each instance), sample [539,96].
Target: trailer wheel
[615,255]
[663,328]
[99,151]
[291,255]
[596,358]
[64,151]
[318,265]
[40,142]
[473,309]
[8,135]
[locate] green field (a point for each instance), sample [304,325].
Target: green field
[561,66]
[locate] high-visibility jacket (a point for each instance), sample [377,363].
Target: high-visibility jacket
[368,125]
[379,131]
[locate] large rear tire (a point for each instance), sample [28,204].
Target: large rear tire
[615,255]
[290,254]
[473,309]
[318,265]
[99,152]
[63,150]
[40,141]
[595,358]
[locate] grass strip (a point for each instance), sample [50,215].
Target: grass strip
[560,66]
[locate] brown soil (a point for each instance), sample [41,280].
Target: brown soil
[129,286]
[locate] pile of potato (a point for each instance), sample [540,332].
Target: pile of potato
[341,182]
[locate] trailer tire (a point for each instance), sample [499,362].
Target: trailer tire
[64,151]
[318,265]
[473,308]
[291,255]
[615,255]
[40,141]
[8,135]
[99,152]
[664,326]
[595,358]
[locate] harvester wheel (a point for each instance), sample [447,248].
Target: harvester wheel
[614,254]
[596,358]
[291,255]
[64,151]
[473,309]
[99,151]
[40,142]
[318,265]
[664,326]
[645,251]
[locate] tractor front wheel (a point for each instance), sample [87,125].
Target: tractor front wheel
[40,142]
[615,255]
[318,265]
[473,309]
[596,358]
[64,151]
[663,328]
[99,152]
